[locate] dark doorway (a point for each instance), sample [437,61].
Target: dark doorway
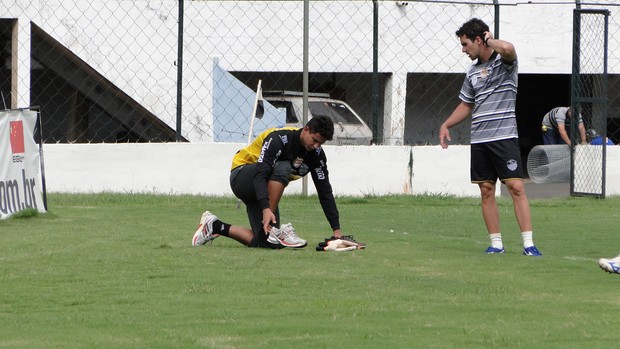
[537,94]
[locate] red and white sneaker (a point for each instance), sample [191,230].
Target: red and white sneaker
[286,237]
[204,233]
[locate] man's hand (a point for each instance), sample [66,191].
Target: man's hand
[487,36]
[269,220]
[444,136]
[460,113]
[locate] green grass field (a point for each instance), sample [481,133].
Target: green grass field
[118,271]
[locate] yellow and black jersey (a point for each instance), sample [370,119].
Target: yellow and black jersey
[250,154]
[284,144]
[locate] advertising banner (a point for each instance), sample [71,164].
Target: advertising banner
[20,163]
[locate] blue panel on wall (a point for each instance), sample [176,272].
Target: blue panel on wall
[233,103]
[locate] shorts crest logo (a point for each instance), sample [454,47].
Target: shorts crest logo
[512,164]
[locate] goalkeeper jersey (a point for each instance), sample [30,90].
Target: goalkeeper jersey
[284,144]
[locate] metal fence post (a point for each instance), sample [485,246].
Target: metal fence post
[375,71]
[179,137]
[496,19]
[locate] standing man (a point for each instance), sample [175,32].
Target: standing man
[259,174]
[556,125]
[488,94]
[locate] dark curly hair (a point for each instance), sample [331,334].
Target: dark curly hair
[323,125]
[472,28]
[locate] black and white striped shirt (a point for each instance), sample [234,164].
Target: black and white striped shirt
[557,116]
[492,87]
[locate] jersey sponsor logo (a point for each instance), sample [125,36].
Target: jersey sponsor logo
[277,156]
[319,173]
[480,76]
[512,164]
[284,139]
[263,149]
[319,150]
[484,72]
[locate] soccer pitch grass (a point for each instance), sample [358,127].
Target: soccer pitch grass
[118,271]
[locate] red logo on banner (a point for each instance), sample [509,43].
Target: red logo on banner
[17,137]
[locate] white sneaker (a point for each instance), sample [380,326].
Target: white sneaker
[204,233]
[286,237]
[611,265]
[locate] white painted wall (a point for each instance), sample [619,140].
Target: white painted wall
[203,168]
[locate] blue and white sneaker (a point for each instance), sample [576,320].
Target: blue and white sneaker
[611,266]
[492,250]
[532,251]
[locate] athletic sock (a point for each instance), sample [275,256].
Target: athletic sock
[221,228]
[527,239]
[496,240]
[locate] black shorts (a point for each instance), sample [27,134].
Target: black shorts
[242,179]
[496,160]
[242,185]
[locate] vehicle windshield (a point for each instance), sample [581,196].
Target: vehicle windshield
[338,112]
[290,112]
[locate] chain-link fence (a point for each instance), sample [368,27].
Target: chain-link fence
[161,71]
[613,66]
[589,91]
